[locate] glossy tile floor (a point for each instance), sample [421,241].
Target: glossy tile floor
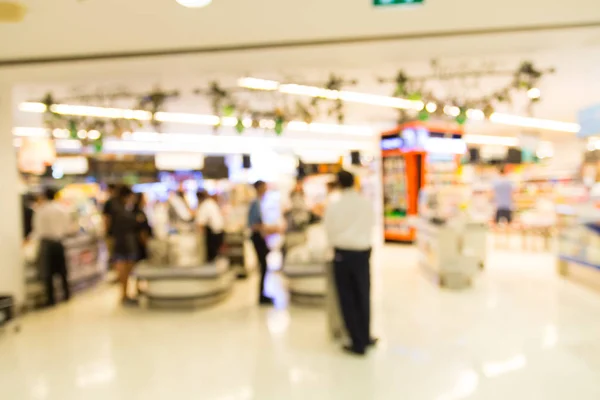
[520,333]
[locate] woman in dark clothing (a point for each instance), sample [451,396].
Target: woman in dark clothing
[144,230]
[124,229]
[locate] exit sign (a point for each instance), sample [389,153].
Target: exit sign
[381,3]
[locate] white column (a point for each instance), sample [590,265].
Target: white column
[12,277]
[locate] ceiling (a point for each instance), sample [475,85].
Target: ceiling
[63,28]
[71,28]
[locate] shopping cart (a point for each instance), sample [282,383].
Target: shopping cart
[7,314]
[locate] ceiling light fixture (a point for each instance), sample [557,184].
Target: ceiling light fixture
[258,84]
[194,3]
[193,119]
[534,93]
[527,122]
[431,107]
[491,140]
[395,102]
[314,91]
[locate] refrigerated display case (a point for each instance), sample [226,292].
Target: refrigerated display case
[412,155]
[402,180]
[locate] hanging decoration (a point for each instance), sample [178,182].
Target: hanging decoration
[460,83]
[155,102]
[92,131]
[335,108]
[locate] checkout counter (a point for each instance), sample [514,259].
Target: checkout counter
[451,240]
[85,251]
[176,273]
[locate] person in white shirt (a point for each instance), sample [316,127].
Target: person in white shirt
[332,304]
[210,219]
[349,224]
[51,224]
[333,193]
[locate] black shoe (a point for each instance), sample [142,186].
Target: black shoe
[353,351]
[373,342]
[266,301]
[129,302]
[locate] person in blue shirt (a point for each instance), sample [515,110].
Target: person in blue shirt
[259,232]
[503,197]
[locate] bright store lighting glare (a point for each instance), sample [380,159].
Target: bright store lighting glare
[258,84]
[593,144]
[267,124]
[491,140]
[452,111]
[384,101]
[93,135]
[528,122]
[431,107]
[185,118]
[100,112]
[194,3]
[534,93]
[201,119]
[311,91]
[32,107]
[476,115]
[60,133]
[30,132]
[394,102]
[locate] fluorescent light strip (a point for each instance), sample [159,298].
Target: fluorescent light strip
[29,132]
[185,118]
[515,120]
[258,84]
[394,102]
[193,119]
[314,91]
[491,140]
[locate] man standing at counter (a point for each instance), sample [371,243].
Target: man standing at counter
[349,224]
[259,233]
[51,224]
[209,220]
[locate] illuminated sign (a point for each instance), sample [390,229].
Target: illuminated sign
[384,3]
[445,146]
[413,141]
[392,143]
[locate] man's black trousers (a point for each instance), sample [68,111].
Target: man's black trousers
[353,280]
[262,251]
[53,262]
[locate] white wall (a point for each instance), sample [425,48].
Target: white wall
[12,279]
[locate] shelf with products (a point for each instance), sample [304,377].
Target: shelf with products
[579,240]
[395,195]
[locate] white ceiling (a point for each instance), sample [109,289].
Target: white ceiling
[55,28]
[67,27]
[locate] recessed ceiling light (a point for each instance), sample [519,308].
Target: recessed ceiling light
[194,3]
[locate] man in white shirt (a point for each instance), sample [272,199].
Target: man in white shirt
[349,223]
[210,219]
[51,224]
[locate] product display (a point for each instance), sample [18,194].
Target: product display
[85,249]
[305,265]
[414,155]
[451,239]
[579,235]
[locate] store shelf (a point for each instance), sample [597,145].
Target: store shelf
[579,261]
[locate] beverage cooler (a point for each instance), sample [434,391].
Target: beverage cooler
[402,179]
[412,155]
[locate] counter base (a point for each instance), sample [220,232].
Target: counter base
[579,271]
